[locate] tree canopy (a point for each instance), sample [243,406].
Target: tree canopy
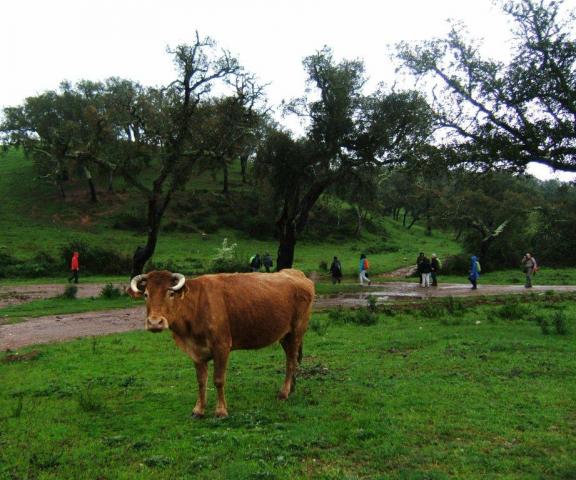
[506,114]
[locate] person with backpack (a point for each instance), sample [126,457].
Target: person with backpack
[435,266]
[530,267]
[336,271]
[255,263]
[475,270]
[364,267]
[267,261]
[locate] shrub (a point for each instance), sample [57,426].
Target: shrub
[432,310]
[364,317]
[70,292]
[454,306]
[95,259]
[339,315]
[227,259]
[131,221]
[560,324]
[544,326]
[319,325]
[456,265]
[110,291]
[323,266]
[372,302]
[513,311]
[42,264]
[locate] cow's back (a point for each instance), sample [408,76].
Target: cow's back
[258,309]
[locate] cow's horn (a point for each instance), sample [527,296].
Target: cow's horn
[181,279]
[134,282]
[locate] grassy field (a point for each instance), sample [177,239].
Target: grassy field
[61,306]
[473,394]
[34,218]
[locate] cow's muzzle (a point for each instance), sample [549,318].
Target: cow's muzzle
[156,324]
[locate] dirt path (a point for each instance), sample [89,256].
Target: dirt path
[16,294]
[65,327]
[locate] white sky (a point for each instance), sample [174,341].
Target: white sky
[44,42]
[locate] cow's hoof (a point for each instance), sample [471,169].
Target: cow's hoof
[197,416]
[282,396]
[222,414]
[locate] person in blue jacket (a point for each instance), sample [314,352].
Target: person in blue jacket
[474,271]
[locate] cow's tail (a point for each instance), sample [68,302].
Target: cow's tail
[300,354]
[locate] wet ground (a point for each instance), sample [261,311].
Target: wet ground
[65,327]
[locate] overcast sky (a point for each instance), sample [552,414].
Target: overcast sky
[44,42]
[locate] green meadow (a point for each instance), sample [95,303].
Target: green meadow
[444,391]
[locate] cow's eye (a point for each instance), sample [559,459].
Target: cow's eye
[171,292]
[145,294]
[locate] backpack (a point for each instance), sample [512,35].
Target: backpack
[366,264]
[478,267]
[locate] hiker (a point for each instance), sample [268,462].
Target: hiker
[74,267]
[336,271]
[426,269]
[419,267]
[475,270]
[267,261]
[530,267]
[255,263]
[364,267]
[435,266]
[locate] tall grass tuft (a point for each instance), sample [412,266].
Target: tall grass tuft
[560,324]
[88,401]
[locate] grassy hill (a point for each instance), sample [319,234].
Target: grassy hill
[35,220]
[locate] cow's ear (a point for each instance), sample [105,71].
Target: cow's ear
[133,294]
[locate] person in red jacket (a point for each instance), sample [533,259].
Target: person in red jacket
[74,267]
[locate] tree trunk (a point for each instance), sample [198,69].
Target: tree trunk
[91,186]
[110,181]
[244,166]
[61,190]
[286,247]
[225,184]
[358,231]
[404,217]
[144,253]
[414,219]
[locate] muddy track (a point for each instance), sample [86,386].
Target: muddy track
[56,328]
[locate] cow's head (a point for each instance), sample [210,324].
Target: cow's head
[159,288]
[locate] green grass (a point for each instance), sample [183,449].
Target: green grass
[61,306]
[475,395]
[33,218]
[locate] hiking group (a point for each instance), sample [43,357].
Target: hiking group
[428,269]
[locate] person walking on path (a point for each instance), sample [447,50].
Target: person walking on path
[255,263]
[419,266]
[475,270]
[74,267]
[529,266]
[426,268]
[336,271]
[364,267]
[435,269]
[267,261]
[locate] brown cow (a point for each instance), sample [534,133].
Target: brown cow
[213,314]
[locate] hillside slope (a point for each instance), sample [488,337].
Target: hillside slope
[35,219]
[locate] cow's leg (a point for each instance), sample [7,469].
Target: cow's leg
[202,377]
[220,363]
[291,346]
